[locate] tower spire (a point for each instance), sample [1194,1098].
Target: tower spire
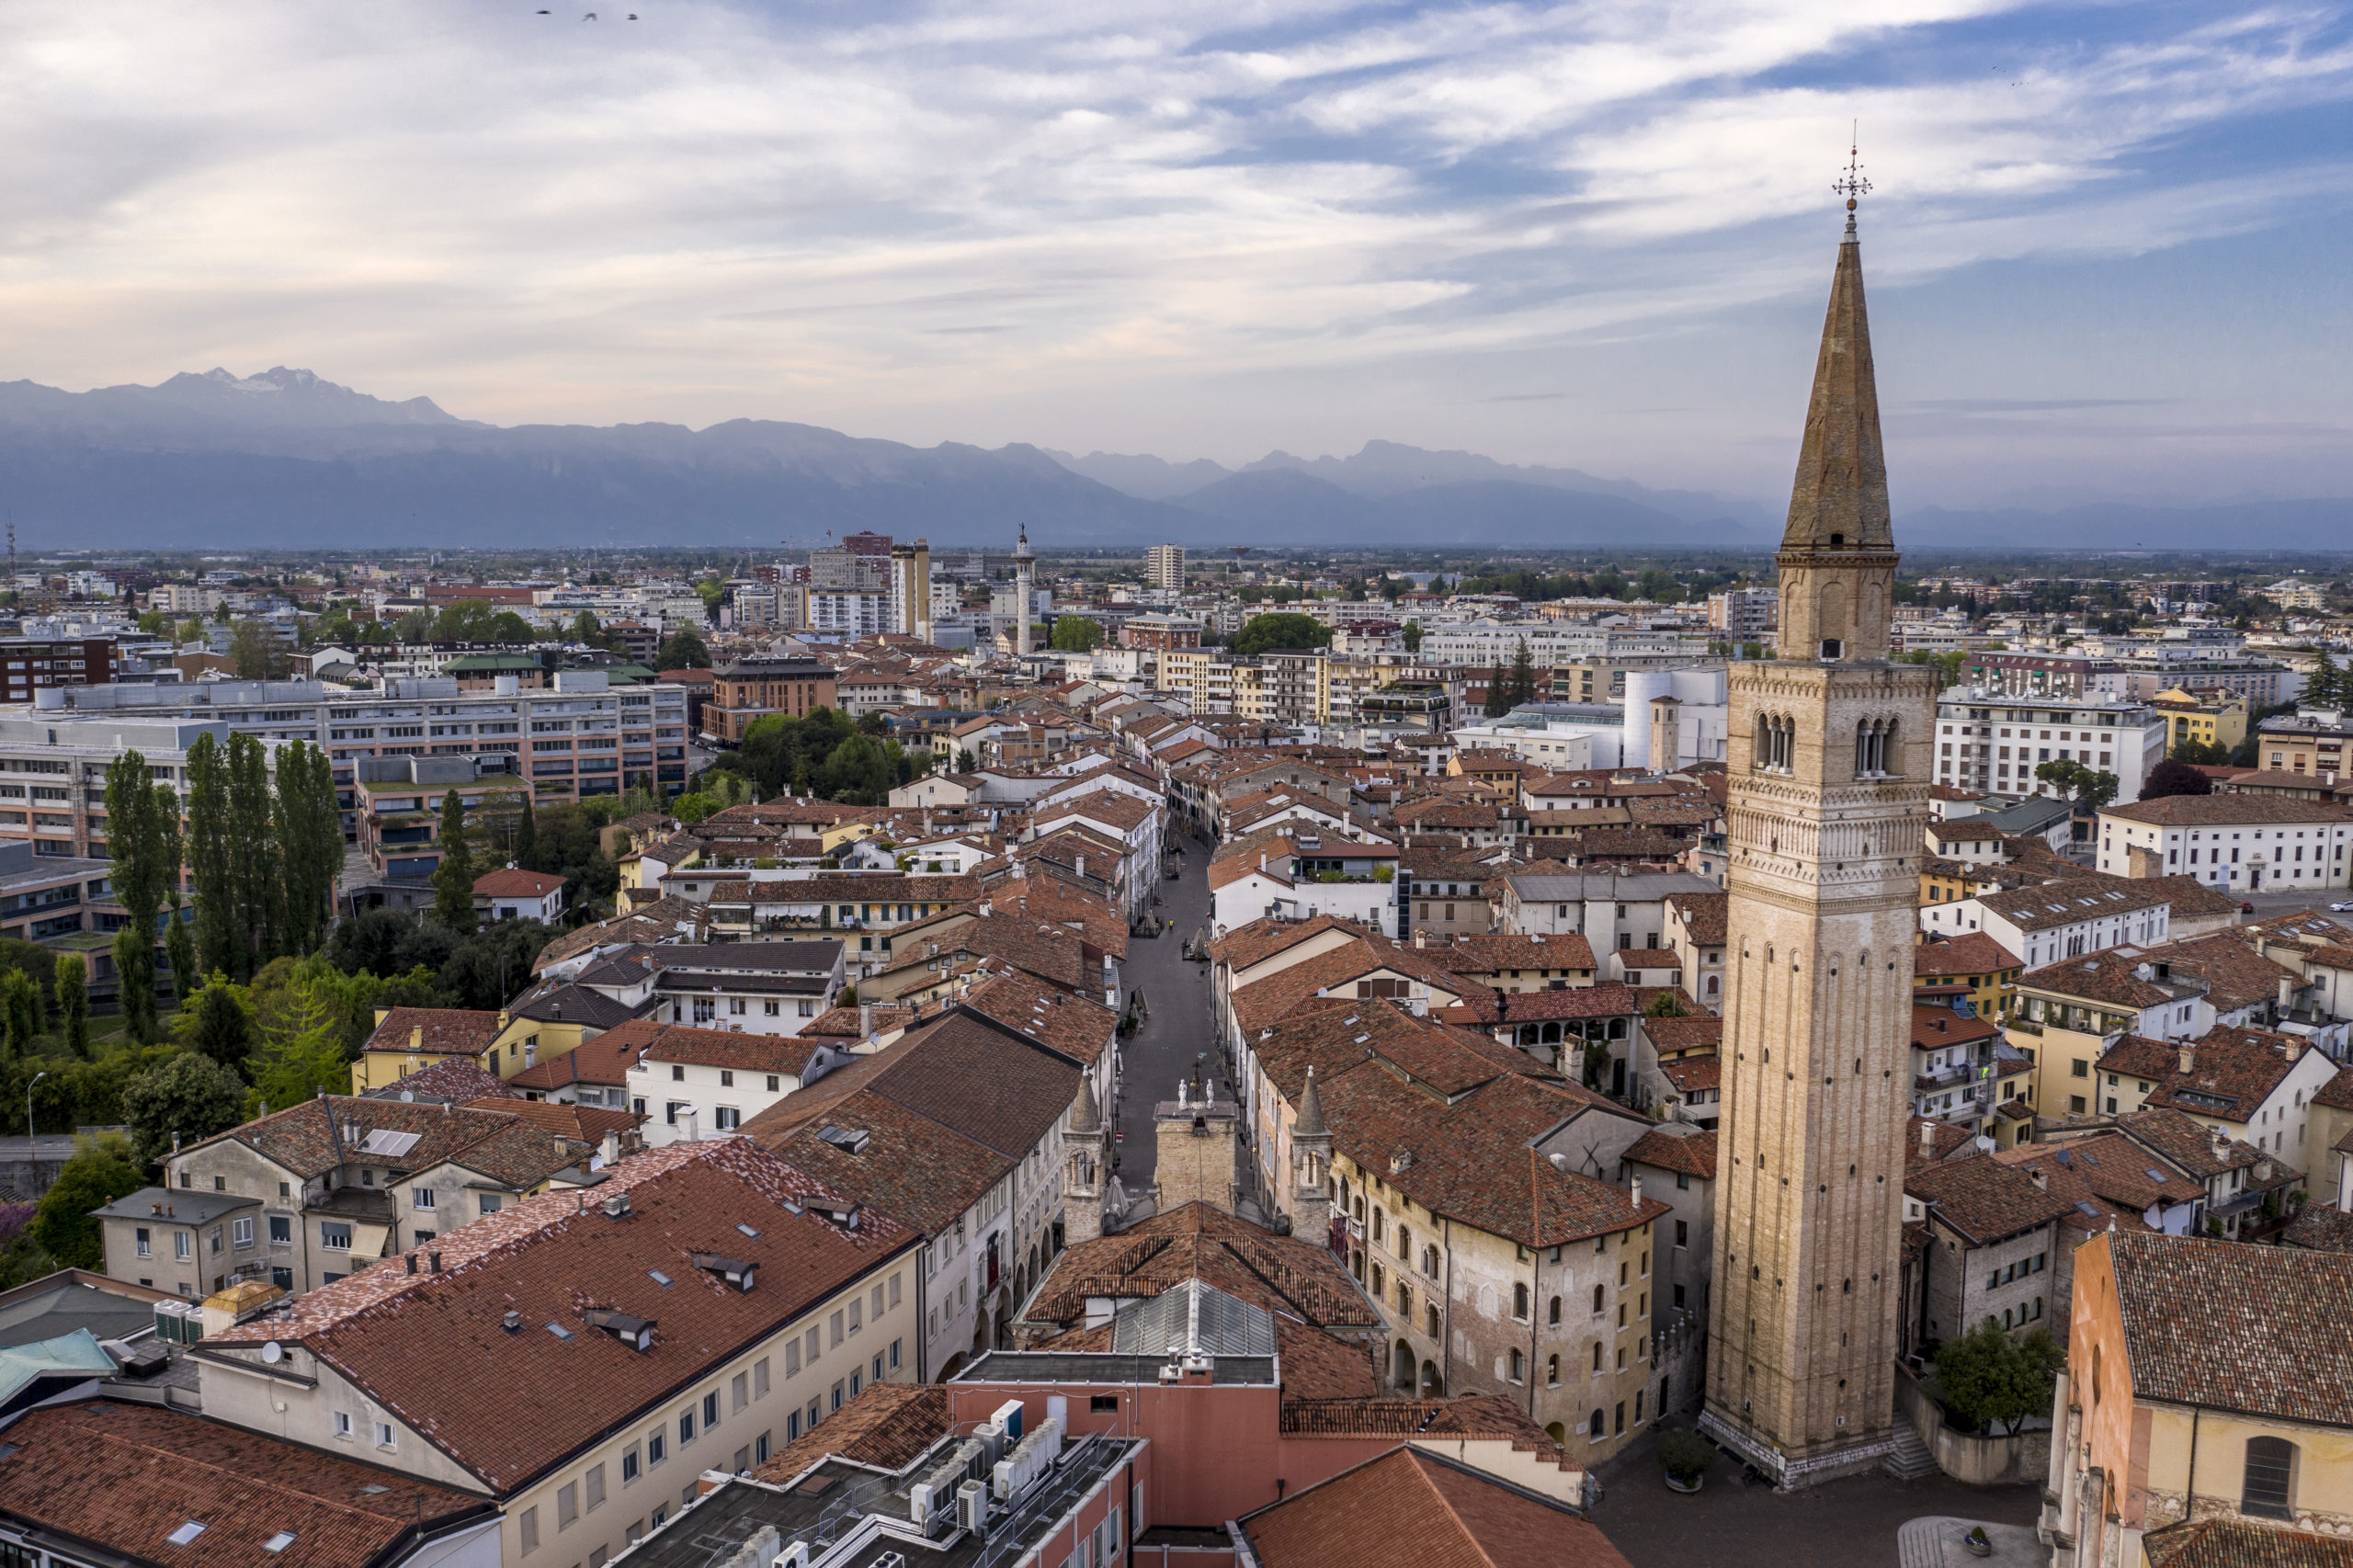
[1837,556]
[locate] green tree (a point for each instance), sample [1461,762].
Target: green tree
[527,835]
[2173,776]
[303,1032]
[190,1096]
[682,649]
[587,628]
[1413,636]
[218,1022]
[486,969]
[1498,692]
[1077,635]
[309,825]
[1523,675]
[1281,629]
[1990,1379]
[254,654]
[211,852]
[72,984]
[100,1172]
[179,950]
[257,859]
[143,841]
[453,881]
[21,1010]
[2327,686]
[2089,788]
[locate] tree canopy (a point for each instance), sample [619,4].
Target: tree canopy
[1077,635]
[2173,776]
[1990,1378]
[1281,629]
[682,649]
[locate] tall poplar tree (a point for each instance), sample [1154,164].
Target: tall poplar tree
[143,841]
[453,883]
[211,859]
[309,825]
[258,866]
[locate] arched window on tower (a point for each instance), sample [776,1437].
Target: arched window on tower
[1874,748]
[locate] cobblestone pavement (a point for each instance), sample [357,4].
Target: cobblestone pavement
[1178,992]
[1853,1523]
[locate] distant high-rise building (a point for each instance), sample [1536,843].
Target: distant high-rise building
[1829,760]
[911,589]
[1163,566]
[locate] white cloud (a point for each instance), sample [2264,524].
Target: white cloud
[936,219]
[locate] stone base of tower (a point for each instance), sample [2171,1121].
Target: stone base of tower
[1794,1472]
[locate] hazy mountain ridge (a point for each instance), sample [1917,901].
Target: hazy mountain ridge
[286,459]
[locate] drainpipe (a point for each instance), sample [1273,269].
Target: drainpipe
[1536,1294]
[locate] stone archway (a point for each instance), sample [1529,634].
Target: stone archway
[1433,1386]
[1403,1362]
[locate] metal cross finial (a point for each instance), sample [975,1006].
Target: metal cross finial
[1854,185]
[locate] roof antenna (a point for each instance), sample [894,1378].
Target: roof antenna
[1854,184]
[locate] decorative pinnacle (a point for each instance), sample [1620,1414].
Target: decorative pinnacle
[1854,184]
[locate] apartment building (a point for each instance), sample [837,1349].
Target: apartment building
[28,664]
[1164,567]
[582,1359]
[54,774]
[1992,743]
[46,898]
[2311,741]
[303,1196]
[750,689]
[2232,842]
[584,736]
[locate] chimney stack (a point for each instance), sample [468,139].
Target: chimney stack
[1928,1140]
[2188,1059]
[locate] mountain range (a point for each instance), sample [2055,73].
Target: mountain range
[287,460]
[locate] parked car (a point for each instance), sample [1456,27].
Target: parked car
[2341,908]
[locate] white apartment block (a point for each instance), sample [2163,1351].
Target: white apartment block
[2232,843]
[1994,743]
[1163,566]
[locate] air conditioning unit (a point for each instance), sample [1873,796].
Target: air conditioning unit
[972,1507]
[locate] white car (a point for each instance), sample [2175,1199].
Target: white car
[2341,908]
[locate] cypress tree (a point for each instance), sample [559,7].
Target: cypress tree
[72,984]
[144,840]
[453,883]
[527,838]
[179,947]
[1498,692]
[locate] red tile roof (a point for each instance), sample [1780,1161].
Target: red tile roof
[1291,1276]
[887,1428]
[431,1349]
[1693,1154]
[1411,1508]
[513,883]
[122,1477]
[435,1031]
[2256,1330]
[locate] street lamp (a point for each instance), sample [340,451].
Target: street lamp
[29,1107]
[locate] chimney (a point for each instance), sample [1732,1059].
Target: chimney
[416,1036]
[1421,939]
[2041,1179]
[2188,1059]
[432,1261]
[2287,993]
[1638,1191]
[865,1018]
[1928,1140]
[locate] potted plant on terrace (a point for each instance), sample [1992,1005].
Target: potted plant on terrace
[1687,1457]
[1980,1544]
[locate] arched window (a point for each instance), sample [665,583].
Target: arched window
[1429,1322]
[1404,1300]
[1376,1224]
[1553,1372]
[1429,1261]
[2270,1479]
[1596,1354]
[1556,1312]
[1405,1241]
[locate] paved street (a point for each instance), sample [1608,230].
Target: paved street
[1178,994]
[1845,1524]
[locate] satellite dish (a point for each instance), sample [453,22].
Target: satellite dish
[273,1353]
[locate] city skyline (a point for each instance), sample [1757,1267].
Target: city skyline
[1550,237]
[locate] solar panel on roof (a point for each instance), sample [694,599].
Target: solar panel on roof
[2087,1208]
[2153,1173]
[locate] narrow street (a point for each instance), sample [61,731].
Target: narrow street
[1177,993]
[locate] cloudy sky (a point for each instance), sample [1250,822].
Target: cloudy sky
[2109,246]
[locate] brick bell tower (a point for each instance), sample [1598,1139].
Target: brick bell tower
[1829,760]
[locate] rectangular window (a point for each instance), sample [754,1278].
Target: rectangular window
[838,1395]
[527,1526]
[145,1244]
[894,1290]
[241,1232]
[855,1314]
[895,1354]
[567,1506]
[809,1352]
[760,1377]
[184,1245]
[711,1408]
[631,1464]
[423,1198]
[834,1329]
[334,1236]
[281,1230]
[595,1486]
[492,1204]
[657,1448]
[792,1358]
[686,1428]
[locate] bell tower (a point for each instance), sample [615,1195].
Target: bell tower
[1829,761]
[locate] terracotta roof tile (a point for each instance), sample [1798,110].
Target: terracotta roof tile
[1972,952]
[2231,1072]
[122,1477]
[1693,1154]
[435,1031]
[431,1349]
[510,882]
[2252,1329]
[1412,1509]
[2242,1543]
[887,1428]
[605,1059]
[2224,811]
[1291,1276]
